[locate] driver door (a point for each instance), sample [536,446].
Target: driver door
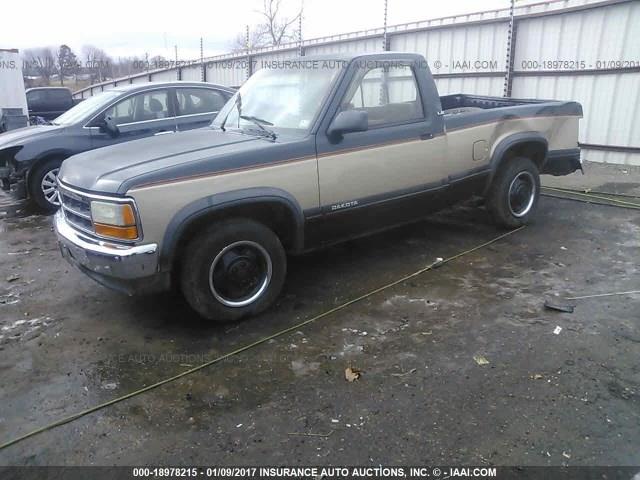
[391,173]
[138,116]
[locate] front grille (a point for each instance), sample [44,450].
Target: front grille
[77,209]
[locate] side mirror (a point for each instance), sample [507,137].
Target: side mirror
[109,126]
[349,121]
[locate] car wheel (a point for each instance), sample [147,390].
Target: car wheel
[232,270]
[513,196]
[44,187]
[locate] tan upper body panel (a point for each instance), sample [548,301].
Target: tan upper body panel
[158,204]
[349,175]
[561,132]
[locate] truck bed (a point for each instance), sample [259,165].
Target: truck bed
[461,110]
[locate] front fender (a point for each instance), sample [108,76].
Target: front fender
[219,202]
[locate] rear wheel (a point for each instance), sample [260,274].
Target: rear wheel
[232,270]
[44,187]
[513,196]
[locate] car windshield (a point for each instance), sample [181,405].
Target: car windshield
[286,98]
[85,108]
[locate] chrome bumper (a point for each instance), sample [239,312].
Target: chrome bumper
[103,261]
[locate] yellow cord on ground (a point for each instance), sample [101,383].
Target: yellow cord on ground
[251,345]
[613,201]
[591,192]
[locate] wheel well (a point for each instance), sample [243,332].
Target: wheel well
[39,162]
[274,215]
[536,151]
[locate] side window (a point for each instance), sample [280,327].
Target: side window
[192,101]
[34,98]
[59,98]
[389,94]
[141,108]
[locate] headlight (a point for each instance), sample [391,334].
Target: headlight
[115,220]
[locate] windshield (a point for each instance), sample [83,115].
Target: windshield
[85,108]
[285,98]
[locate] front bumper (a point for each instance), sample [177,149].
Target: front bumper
[128,269]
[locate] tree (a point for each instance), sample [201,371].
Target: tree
[275,29]
[97,62]
[67,62]
[40,61]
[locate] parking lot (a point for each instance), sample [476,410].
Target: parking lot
[459,365]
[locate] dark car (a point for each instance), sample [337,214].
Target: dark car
[49,102]
[31,157]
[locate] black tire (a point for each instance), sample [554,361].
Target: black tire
[36,188]
[514,193]
[248,245]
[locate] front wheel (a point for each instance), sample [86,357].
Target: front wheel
[513,196]
[232,270]
[43,185]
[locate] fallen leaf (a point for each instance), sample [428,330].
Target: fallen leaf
[351,374]
[480,360]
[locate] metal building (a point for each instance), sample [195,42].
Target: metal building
[584,50]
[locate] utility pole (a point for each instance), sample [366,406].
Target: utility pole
[511,50]
[385,40]
[300,47]
[203,68]
[249,69]
[178,71]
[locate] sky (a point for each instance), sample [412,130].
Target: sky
[125,28]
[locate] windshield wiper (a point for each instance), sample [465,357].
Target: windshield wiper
[260,122]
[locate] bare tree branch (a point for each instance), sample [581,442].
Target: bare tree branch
[274,30]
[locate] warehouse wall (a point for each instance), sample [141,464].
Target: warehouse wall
[584,50]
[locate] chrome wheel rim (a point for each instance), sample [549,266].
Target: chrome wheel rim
[522,193]
[49,186]
[240,273]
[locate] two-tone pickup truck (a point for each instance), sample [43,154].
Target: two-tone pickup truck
[319,150]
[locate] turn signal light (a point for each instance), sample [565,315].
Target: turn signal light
[124,233]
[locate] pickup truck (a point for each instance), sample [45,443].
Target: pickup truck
[316,151]
[49,102]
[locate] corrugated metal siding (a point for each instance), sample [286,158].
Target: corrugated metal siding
[620,158]
[192,73]
[263,60]
[585,39]
[142,79]
[610,103]
[362,45]
[606,33]
[229,73]
[547,32]
[164,76]
[447,49]
[471,85]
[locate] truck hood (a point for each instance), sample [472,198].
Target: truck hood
[21,136]
[118,168]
